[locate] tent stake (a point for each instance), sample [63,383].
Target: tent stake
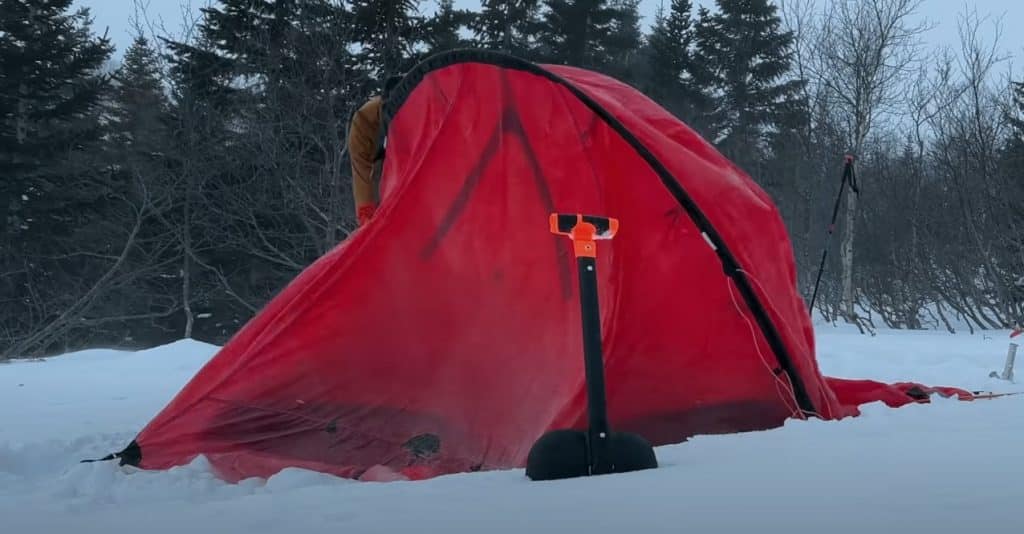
[1011,355]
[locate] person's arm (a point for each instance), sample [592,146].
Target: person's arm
[362,147]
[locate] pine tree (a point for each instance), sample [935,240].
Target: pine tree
[67,214]
[140,103]
[1013,180]
[578,32]
[141,154]
[1016,115]
[389,31]
[251,32]
[139,139]
[508,25]
[675,78]
[746,55]
[51,91]
[623,43]
[442,31]
[262,101]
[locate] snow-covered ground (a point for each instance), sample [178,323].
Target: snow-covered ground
[948,466]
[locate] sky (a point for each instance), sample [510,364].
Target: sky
[116,16]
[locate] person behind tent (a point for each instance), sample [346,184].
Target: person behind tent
[366,152]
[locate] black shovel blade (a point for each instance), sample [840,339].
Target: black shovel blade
[558,454]
[561,454]
[630,452]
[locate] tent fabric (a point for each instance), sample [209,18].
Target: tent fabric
[444,336]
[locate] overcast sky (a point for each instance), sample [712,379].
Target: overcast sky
[116,16]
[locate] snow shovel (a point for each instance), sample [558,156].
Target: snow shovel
[560,454]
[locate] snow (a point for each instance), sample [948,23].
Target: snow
[936,468]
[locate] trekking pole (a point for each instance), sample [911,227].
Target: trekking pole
[848,176]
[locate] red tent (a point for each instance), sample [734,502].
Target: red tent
[444,336]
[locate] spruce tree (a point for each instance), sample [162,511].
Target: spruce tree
[1013,183]
[674,76]
[262,102]
[60,207]
[746,56]
[142,156]
[140,104]
[578,32]
[623,43]
[224,82]
[442,31]
[1016,114]
[51,90]
[389,31]
[250,31]
[140,142]
[510,26]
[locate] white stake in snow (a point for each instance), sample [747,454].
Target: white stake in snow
[1008,368]
[1011,355]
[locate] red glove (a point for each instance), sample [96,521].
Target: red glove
[365,213]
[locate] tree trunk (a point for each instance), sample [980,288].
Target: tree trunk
[65,321]
[846,257]
[186,268]
[507,37]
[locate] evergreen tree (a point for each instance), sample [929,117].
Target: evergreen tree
[140,150]
[239,41]
[248,47]
[389,31]
[140,104]
[746,55]
[511,26]
[1016,115]
[262,103]
[253,33]
[1013,184]
[674,77]
[51,91]
[200,169]
[442,31]
[580,33]
[623,43]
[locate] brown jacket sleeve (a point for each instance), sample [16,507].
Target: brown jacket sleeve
[362,147]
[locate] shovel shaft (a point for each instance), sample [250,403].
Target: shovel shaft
[593,360]
[585,231]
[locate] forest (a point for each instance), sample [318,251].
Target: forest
[171,193]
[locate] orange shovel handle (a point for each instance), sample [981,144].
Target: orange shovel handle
[584,230]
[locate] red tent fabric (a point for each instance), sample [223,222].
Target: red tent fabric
[444,336]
